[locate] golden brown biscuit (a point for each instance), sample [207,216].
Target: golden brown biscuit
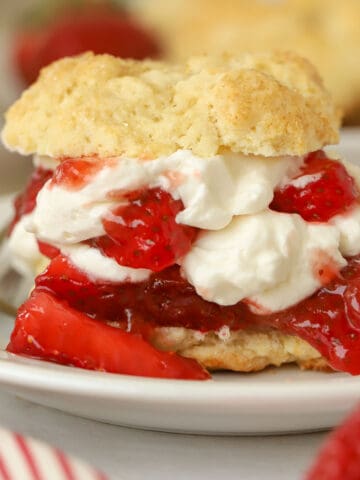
[263,104]
[243,350]
[325,31]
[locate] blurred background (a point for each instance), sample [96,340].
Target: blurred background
[33,33]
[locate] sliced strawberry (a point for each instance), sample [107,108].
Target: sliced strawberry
[75,173]
[26,201]
[144,233]
[339,458]
[49,329]
[323,189]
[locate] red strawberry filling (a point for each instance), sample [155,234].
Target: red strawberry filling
[329,320]
[143,233]
[75,173]
[326,190]
[26,201]
[48,328]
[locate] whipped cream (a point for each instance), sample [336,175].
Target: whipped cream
[23,248]
[268,258]
[213,191]
[348,225]
[27,259]
[99,267]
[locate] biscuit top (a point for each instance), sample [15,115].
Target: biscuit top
[262,104]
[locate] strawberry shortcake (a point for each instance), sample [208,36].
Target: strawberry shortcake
[186,218]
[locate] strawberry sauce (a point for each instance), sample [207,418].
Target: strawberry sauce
[75,173]
[329,320]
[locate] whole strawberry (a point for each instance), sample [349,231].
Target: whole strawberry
[339,458]
[71,28]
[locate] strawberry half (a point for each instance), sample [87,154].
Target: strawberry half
[48,328]
[323,189]
[144,233]
[339,458]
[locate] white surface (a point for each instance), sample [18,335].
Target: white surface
[128,454]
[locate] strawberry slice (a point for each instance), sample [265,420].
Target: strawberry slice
[49,329]
[144,233]
[339,459]
[323,189]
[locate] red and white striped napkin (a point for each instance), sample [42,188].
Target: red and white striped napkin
[27,459]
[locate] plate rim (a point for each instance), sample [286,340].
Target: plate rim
[29,374]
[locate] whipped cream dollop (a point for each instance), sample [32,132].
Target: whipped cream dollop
[101,268]
[213,191]
[271,259]
[348,225]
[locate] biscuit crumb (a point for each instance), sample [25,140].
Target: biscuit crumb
[243,351]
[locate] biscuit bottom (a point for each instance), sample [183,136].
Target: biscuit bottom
[242,350]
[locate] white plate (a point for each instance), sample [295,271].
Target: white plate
[274,401]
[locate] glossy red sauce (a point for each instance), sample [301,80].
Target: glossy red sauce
[75,173]
[26,201]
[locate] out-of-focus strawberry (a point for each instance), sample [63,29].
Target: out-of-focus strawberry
[339,459]
[100,28]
